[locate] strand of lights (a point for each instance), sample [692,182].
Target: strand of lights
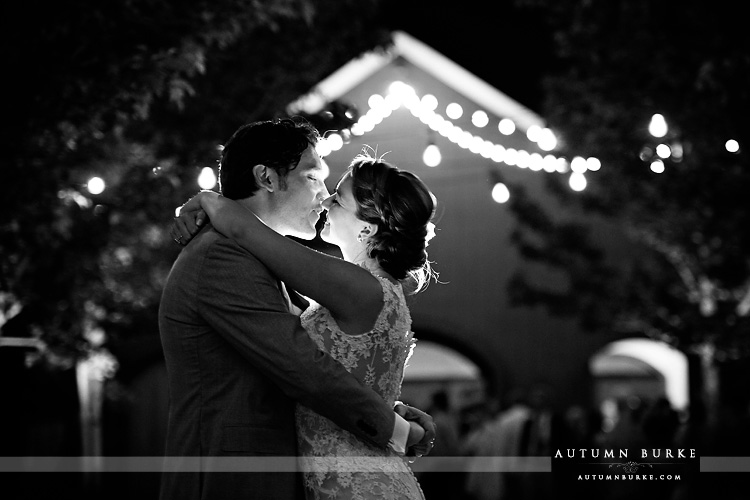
[655,156]
[424,108]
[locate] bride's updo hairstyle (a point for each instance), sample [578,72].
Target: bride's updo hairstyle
[401,206]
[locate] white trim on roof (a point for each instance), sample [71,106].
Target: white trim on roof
[340,82]
[430,61]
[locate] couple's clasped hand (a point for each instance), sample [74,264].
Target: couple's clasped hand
[423,430]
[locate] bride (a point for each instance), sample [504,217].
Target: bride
[379,216]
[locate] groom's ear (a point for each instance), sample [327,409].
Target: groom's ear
[264,177]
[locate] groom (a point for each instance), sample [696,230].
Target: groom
[238,361]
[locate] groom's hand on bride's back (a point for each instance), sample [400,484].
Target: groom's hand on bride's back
[424,445]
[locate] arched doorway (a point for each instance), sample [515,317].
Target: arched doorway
[434,368]
[641,368]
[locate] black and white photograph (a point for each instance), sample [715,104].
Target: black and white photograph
[375,249]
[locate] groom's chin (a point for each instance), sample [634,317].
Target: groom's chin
[307,234]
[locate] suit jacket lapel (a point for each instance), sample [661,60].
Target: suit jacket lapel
[297,299]
[293,298]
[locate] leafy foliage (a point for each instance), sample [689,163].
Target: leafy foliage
[139,93]
[687,279]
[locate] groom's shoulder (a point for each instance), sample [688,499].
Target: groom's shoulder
[216,250]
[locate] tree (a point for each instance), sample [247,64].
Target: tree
[138,93]
[687,281]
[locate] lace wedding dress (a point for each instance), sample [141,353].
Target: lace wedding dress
[338,465]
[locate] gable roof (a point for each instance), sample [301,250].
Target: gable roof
[428,60]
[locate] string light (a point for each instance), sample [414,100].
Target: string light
[578,165]
[506,126]
[454,111]
[96,185]
[593,164]
[732,146]
[534,133]
[431,156]
[658,126]
[480,119]
[663,150]
[577,181]
[430,102]
[207,178]
[335,141]
[547,140]
[657,166]
[424,108]
[676,151]
[500,193]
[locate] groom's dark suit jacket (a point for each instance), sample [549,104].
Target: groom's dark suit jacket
[238,362]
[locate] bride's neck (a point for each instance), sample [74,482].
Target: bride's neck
[372,266]
[361,258]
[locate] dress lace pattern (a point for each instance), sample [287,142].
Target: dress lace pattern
[338,465]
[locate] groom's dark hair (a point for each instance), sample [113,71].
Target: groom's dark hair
[277,144]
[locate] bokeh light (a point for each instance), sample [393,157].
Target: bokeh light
[577,181]
[732,146]
[480,119]
[500,193]
[506,126]
[207,178]
[663,150]
[96,185]
[431,156]
[657,166]
[658,126]
[454,111]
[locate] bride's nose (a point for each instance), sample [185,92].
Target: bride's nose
[327,202]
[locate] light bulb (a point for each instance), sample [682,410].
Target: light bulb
[207,178]
[431,156]
[500,193]
[658,126]
[577,181]
[95,185]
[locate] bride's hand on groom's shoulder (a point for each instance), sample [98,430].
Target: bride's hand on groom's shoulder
[414,415]
[189,220]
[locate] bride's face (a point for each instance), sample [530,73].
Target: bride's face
[342,225]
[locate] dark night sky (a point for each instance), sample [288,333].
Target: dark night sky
[507,48]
